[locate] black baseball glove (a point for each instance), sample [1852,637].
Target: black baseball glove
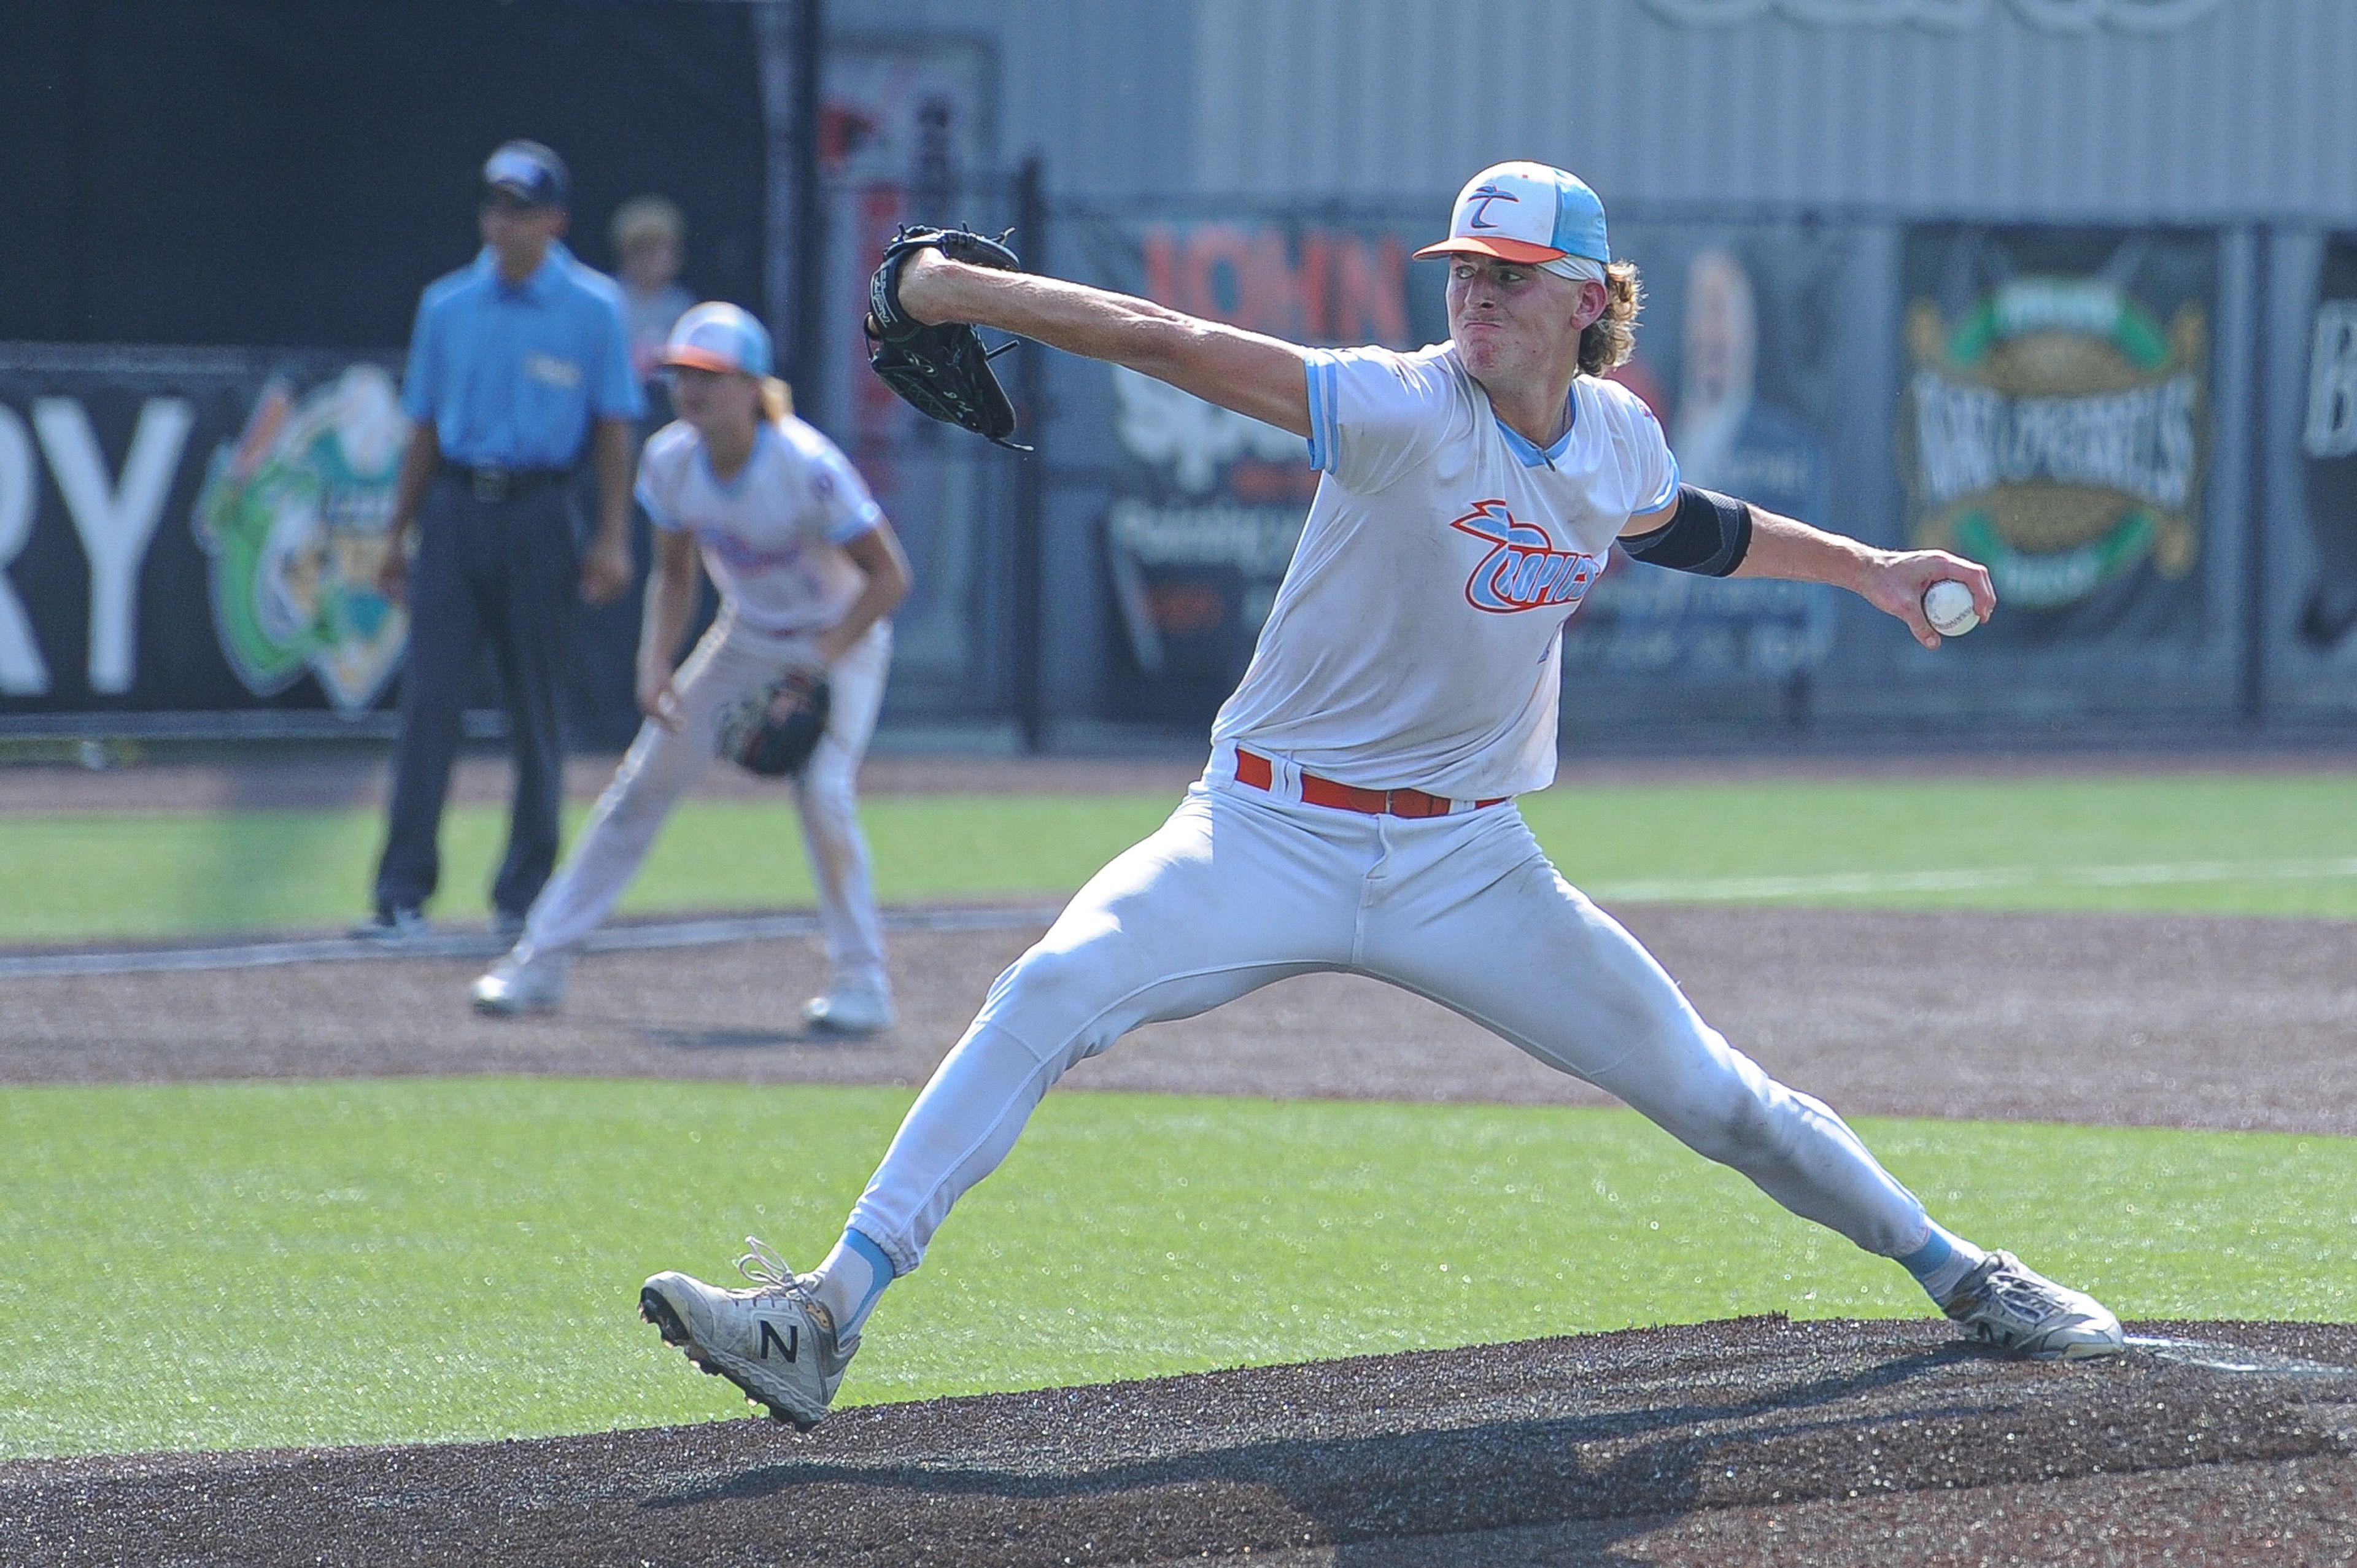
[773,731]
[941,370]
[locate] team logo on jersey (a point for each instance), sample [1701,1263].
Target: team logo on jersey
[1480,217]
[1523,570]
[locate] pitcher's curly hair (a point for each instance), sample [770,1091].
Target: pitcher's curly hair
[1611,338]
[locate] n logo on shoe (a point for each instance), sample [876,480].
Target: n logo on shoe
[787,1345]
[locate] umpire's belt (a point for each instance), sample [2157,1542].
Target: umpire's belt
[1253,770]
[495,485]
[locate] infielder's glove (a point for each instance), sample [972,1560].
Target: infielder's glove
[941,370]
[773,731]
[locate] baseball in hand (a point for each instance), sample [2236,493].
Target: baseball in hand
[1948,605]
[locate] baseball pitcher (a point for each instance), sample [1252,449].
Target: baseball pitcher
[1357,813]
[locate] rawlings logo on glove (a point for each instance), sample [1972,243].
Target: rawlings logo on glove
[940,371]
[773,731]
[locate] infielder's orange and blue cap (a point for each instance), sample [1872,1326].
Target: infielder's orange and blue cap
[714,336]
[1528,213]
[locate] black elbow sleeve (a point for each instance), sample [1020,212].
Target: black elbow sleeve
[1709,534]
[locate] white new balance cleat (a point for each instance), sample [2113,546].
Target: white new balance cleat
[2005,1304]
[849,1012]
[522,981]
[774,1341]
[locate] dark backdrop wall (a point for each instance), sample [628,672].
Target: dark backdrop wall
[291,172]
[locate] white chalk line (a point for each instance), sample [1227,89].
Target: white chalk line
[482,944]
[1769,889]
[749,927]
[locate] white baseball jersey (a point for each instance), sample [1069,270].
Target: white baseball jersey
[1413,645]
[772,536]
[1414,642]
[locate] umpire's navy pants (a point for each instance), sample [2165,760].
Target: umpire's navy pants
[506,574]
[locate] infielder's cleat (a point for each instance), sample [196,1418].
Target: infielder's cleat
[521,982]
[401,923]
[2005,1304]
[849,1012]
[774,1341]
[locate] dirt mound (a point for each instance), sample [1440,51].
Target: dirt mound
[1754,1441]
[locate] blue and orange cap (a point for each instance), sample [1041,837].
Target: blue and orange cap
[1528,213]
[714,336]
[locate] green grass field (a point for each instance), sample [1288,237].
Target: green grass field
[2282,844]
[255,1264]
[245,1265]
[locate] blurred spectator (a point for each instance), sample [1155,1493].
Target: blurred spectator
[650,242]
[1725,437]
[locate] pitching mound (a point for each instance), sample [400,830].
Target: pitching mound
[1756,1441]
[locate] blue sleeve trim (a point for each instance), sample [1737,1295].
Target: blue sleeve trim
[1669,491]
[1324,402]
[865,520]
[655,514]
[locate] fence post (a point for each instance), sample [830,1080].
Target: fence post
[2260,379]
[1030,510]
[810,208]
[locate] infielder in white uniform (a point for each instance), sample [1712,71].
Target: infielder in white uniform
[1357,813]
[807,569]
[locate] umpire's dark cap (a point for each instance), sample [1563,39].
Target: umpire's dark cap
[529,171]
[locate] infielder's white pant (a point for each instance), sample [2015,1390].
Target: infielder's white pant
[662,765]
[1242,887]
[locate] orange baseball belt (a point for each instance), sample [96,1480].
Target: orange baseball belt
[1256,770]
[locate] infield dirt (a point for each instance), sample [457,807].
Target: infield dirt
[1732,1443]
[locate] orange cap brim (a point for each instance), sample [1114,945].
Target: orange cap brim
[1518,251]
[699,359]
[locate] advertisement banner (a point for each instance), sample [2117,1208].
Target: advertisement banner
[2327,598]
[195,530]
[908,135]
[1206,505]
[1737,355]
[2054,424]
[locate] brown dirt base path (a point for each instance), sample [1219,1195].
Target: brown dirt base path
[2161,1021]
[1832,1443]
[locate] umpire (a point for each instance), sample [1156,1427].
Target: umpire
[519,364]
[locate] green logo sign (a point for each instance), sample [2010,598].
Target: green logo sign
[293,515]
[2056,436]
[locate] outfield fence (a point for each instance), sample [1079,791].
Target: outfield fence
[2148,432]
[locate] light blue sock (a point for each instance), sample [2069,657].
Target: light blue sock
[1940,1263]
[851,1282]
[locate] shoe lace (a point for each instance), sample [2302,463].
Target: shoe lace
[764,1267]
[767,1269]
[2017,1293]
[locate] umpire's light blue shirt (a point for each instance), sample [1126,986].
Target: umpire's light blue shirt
[512,374]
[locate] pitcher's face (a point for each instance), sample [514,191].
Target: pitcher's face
[1513,321]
